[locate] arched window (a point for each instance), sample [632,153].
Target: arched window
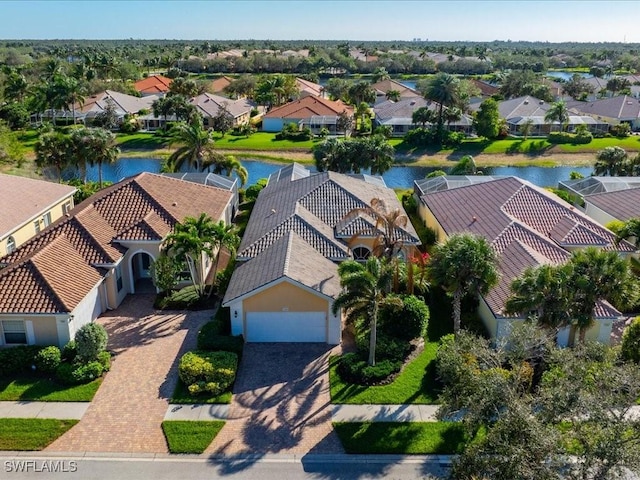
[361,253]
[11,245]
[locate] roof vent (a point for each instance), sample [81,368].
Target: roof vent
[541,102]
[526,102]
[174,204]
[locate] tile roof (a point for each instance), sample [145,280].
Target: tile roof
[622,107]
[124,103]
[307,107]
[58,267]
[219,84]
[209,105]
[385,86]
[525,225]
[292,257]
[153,84]
[622,204]
[309,87]
[22,199]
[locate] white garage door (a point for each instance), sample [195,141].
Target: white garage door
[286,327]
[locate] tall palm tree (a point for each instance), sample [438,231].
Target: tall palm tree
[558,112]
[190,242]
[364,291]
[442,89]
[194,140]
[223,236]
[94,146]
[381,154]
[422,116]
[464,265]
[224,164]
[52,150]
[544,291]
[598,275]
[387,230]
[525,128]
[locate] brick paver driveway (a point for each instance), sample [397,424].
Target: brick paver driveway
[281,402]
[126,413]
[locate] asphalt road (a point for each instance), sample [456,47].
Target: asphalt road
[276,467]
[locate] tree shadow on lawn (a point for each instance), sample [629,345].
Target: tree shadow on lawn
[534,147]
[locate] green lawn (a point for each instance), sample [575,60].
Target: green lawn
[141,141]
[262,141]
[416,384]
[414,438]
[42,389]
[190,436]
[182,395]
[31,433]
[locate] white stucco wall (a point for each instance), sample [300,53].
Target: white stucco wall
[86,311]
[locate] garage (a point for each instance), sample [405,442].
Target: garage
[286,327]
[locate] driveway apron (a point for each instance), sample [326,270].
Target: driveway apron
[281,402]
[127,411]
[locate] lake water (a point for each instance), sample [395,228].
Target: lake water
[566,75]
[397,177]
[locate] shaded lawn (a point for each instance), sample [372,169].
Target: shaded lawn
[182,396]
[141,141]
[184,436]
[31,433]
[414,438]
[416,384]
[25,387]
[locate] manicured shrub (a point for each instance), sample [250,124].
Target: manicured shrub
[17,359]
[64,373]
[387,347]
[407,322]
[74,374]
[211,372]
[48,359]
[91,339]
[631,341]
[104,359]
[69,352]
[570,138]
[354,369]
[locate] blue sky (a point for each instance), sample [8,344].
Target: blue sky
[475,20]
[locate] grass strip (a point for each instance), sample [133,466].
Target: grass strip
[184,436]
[31,388]
[31,433]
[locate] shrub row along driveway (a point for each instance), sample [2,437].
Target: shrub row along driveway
[281,402]
[128,409]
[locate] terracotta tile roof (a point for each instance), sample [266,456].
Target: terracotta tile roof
[153,84]
[526,226]
[622,204]
[308,107]
[309,87]
[22,199]
[292,257]
[385,86]
[219,84]
[62,262]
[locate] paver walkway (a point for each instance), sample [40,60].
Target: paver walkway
[281,402]
[127,411]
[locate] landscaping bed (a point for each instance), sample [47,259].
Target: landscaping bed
[31,433]
[185,436]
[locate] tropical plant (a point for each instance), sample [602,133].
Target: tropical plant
[223,236]
[525,128]
[365,287]
[224,164]
[487,120]
[442,89]
[194,140]
[630,230]
[463,265]
[422,116]
[611,161]
[558,112]
[52,150]
[94,146]
[465,166]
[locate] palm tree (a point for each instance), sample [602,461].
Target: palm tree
[422,116]
[195,140]
[227,164]
[94,146]
[190,242]
[442,89]
[630,229]
[223,236]
[381,154]
[361,111]
[393,95]
[598,275]
[52,150]
[387,230]
[452,114]
[465,264]
[558,112]
[525,128]
[544,291]
[610,161]
[364,291]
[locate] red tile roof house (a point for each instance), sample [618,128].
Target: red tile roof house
[313,112]
[88,261]
[526,226]
[287,266]
[153,85]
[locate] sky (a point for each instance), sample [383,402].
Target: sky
[435,20]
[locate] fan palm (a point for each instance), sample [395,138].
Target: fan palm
[194,140]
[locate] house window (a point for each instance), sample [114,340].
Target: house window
[46,219]
[119,277]
[66,208]
[36,225]
[14,332]
[11,245]
[361,253]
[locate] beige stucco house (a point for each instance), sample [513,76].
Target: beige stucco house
[89,260]
[287,275]
[526,226]
[28,206]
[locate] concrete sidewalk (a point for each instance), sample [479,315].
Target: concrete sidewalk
[384,413]
[61,410]
[197,412]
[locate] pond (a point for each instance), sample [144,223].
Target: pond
[563,75]
[397,177]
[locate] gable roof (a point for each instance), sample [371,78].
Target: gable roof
[23,199]
[525,225]
[384,86]
[623,204]
[526,106]
[69,253]
[153,84]
[401,112]
[308,107]
[621,107]
[209,105]
[309,88]
[219,84]
[123,103]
